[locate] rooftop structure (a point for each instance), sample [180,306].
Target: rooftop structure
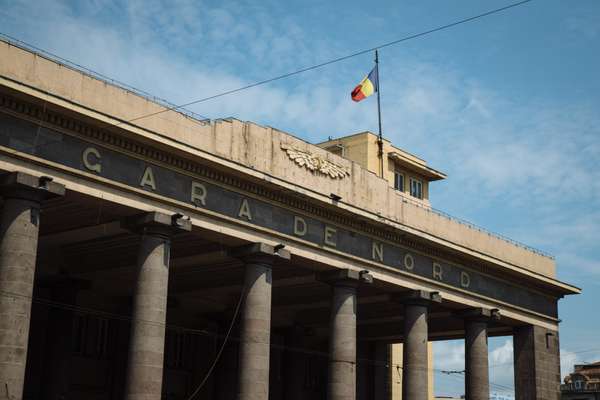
[408,174]
[583,383]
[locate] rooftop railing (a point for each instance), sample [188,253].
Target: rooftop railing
[580,387]
[101,77]
[474,226]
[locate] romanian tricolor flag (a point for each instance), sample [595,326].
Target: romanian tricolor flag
[367,86]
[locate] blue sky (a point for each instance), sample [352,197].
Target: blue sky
[508,105]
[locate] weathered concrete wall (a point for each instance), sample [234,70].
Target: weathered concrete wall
[255,147]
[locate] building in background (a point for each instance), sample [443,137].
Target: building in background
[583,383]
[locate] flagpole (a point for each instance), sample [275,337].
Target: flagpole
[380,138]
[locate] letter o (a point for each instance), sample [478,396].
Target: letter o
[409,262]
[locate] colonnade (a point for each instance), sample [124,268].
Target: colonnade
[19,228]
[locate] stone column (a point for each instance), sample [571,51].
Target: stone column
[255,318]
[147,339]
[415,374]
[537,363]
[341,383]
[19,229]
[477,383]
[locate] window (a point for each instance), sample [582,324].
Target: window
[416,188]
[399,181]
[92,336]
[180,350]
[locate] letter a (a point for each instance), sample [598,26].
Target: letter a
[245,210]
[148,179]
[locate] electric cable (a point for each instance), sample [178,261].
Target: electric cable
[570,352]
[492,384]
[225,341]
[170,107]
[333,61]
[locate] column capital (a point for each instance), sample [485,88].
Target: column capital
[345,277]
[157,223]
[419,297]
[28,187]
[479,314]
[259,252]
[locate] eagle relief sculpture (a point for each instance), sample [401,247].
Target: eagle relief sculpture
[315,163]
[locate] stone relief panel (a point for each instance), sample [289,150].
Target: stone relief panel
[315,163]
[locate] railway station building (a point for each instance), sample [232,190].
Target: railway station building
[171,257]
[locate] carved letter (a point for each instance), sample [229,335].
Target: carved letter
[377,252]
[245,210]
[437,271]
[148,179]
[409,262]
[199,194]
[465,279]
[299,226]
[330,236]
[96,167]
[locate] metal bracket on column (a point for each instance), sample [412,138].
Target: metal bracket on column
[157,223]
[479,313]
[259,251]
[345,276]
[422,297]
[21,185]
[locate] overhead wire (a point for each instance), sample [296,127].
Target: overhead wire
[223,345]
[170,107]
[492,385]
[333,61]
[570,352]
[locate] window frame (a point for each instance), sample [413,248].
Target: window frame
[400,173]
[420,185]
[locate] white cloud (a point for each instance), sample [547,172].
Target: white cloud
[449,355]
[502,354]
